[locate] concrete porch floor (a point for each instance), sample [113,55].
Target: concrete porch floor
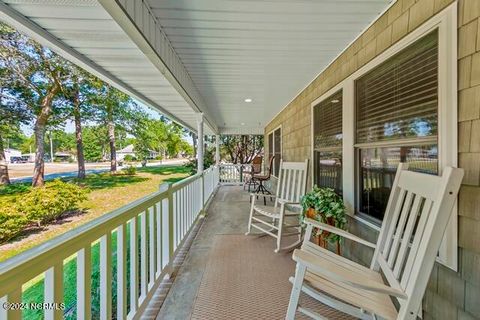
[227,214]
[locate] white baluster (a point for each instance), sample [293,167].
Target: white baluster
[133,266]
[122,272]
[106,277]
[143,255]
[53,285]
[151,242]
[84,283]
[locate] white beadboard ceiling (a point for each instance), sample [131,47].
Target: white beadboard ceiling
[265,50]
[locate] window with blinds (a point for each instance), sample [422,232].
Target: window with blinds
[399,98]
[396,121]
[327,142]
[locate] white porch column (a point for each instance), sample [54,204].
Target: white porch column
[217,149]
[200,142]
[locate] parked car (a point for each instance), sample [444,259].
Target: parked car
[22,159]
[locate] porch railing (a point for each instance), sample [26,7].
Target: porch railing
[142,236]
[232,173]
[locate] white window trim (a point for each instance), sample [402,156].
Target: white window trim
[446,22]
[273,143]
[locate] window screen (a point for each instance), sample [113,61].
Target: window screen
[327,139]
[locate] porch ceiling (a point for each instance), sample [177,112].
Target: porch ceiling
[264,50]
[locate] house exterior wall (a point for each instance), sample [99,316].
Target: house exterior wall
[450,295]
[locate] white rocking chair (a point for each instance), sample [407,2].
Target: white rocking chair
[415,220]
[291,184]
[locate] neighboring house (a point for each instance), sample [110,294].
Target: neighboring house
[9,153]
[130,150]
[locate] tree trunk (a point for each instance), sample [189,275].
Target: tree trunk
[39,132]
[39,169]
[111,140]
[78,136]
[4,178]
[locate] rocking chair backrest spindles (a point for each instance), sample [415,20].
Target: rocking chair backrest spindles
[292,181]
[415,220]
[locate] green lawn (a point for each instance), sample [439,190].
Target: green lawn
[108,192]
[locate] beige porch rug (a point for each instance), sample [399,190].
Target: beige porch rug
[245,279]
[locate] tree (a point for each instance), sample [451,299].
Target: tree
[37,74]
[242,148]
[80,93]
[117,111]
[95,143]
[11,116]
[150,134]
[13,113]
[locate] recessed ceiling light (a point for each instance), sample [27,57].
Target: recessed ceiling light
[335,101]
[243,123]
[248,100]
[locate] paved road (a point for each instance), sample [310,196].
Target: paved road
[73,174]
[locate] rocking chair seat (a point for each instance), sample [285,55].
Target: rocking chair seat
[343,279]
[273,212]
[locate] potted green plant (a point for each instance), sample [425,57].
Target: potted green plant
[326,206]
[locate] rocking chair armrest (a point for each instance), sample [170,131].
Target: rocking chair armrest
[329,271]
[290,203]
[262,195]
[340,232]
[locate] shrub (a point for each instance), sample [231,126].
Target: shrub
[130,170]
[45,204]
[14,188]
[129,157]
[12,222]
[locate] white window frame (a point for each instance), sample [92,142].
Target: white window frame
[273,145]
[446,23]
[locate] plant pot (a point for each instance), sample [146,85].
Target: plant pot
[311,213]
[321,240]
